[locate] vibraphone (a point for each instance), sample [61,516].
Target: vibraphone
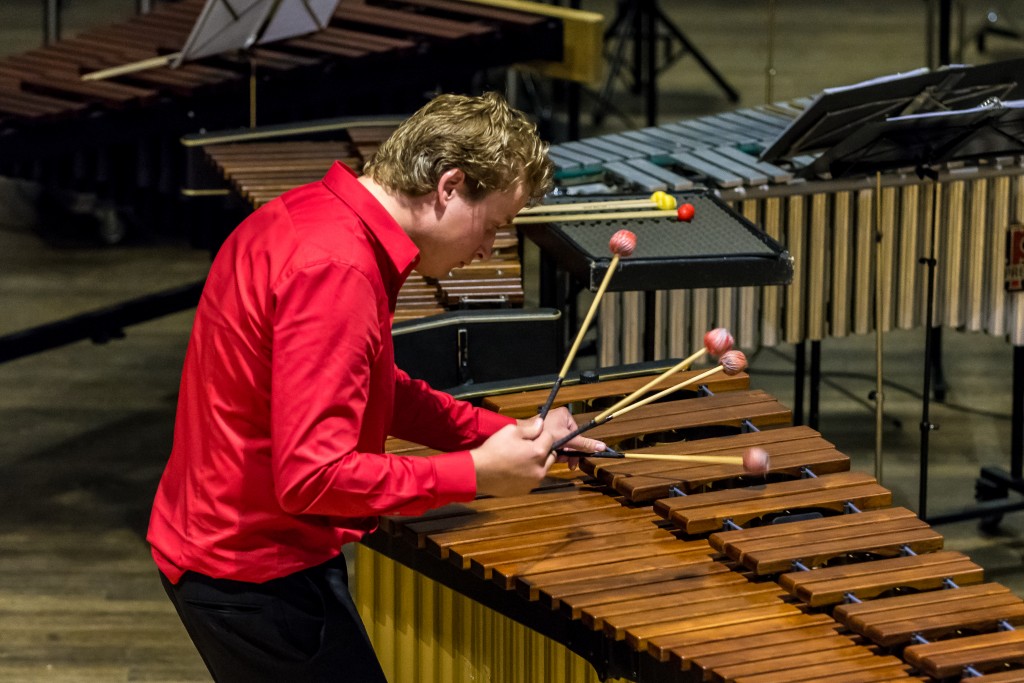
[119,137]
[661,571]
[828,226]
[248,168]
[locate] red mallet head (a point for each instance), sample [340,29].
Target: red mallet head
[733,362]
[718,341]
[755,461]
[622,243]
[685,212]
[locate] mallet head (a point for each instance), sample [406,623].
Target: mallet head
[622,243]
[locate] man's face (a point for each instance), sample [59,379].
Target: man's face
[465,229]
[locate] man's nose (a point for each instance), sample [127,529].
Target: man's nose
[484,252]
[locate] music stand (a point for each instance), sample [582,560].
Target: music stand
[835,113]
[238,25]
[923,141]
[644,23]
[225,26]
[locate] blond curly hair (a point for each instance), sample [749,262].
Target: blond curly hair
[495,145]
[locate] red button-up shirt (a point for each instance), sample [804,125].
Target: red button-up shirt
[289,391]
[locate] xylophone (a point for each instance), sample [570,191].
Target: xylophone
[119,137]
[663,571]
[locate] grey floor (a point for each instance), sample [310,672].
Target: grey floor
[87,427]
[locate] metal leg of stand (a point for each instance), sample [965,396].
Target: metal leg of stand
[1017,423]
[649,66]
[620,31]
[926,424]
[51,21]
[938,376]
[553,294]
[650,326]
[572,110]
[730,92]
[994,485]
[639,21]
[799,374]
[812,410]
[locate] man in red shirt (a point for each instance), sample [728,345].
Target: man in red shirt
[289,390]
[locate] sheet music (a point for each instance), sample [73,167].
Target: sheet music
[889,78]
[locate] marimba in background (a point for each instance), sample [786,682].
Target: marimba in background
[118,137]
[667,571]
[244,169]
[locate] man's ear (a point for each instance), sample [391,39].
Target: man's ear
[448,183]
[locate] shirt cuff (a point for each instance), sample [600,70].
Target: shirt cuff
[488,422]
[455,476]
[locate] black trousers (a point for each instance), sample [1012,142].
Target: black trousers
[301,627]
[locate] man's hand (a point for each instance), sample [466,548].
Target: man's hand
[560,422]
[513,460]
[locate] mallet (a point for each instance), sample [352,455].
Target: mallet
[731,363]
[716,342]
[622,243]
[682,213]
[659,200]
[755,460]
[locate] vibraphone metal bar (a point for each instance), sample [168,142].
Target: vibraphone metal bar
[827,226]
[665,602]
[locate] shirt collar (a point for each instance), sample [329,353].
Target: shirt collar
[400,250]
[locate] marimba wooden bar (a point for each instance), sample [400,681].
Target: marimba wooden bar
[805,574]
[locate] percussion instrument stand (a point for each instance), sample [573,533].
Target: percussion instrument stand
[51,21]
[800,383]
[643,23]
[992,483]
[930,263]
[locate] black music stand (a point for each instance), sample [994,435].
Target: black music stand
[923,141]
[644,24]
[224,27]
[238,25]
[837,112]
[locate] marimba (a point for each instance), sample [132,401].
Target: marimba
[119,137]
[244,169]
[665,571]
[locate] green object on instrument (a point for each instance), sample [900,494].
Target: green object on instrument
[751,148]
[576,173]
